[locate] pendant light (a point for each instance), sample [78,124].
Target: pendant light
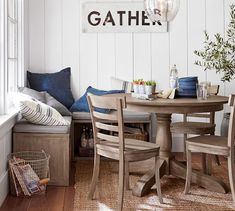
[161,10]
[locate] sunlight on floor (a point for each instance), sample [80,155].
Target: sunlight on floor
[103,207]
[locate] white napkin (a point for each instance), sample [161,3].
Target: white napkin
[169,93]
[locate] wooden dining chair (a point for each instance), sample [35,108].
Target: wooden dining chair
[116,147]
[215,145]
[198,127]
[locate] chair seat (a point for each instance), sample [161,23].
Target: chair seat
[208,144]
[134,149]
[192,127]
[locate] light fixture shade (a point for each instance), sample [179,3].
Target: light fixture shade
[161,10]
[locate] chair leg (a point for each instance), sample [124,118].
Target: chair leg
[206,163]
[217,161]
[188,172]
[216,157]
[231,174]
[127,175]
[95,176]
[185,138]
[157,179]
[121,184]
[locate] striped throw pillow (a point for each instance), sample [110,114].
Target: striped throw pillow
[40,113]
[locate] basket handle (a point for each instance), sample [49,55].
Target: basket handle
[48,157]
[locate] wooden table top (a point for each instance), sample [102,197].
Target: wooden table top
[178,105]
[181,102]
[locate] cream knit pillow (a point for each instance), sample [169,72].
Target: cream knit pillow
[40,113]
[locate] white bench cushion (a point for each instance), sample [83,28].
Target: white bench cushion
[129,116]
[23,126]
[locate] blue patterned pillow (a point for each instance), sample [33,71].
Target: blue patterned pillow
[82,105]
[56,84]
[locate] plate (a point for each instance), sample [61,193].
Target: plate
[188,79]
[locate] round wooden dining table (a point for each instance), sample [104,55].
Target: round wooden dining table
[164,108]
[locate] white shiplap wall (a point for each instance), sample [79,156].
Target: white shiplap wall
[56,41]
[5,150]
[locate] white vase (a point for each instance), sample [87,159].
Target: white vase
[148,90]
[153,89]
[141,89]
[136,88]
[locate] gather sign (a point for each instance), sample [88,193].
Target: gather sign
[113,17]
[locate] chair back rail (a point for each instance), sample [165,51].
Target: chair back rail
[107,102]
[231,129]
[102,129]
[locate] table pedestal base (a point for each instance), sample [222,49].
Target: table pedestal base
[178,169]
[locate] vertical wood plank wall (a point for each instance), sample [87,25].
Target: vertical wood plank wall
[5,150]
[56,41]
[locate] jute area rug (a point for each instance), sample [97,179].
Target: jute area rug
[172,190]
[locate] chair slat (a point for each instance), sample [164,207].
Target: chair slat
[106,126]
[232,100]
[108,137]
[111,116]
[107,101]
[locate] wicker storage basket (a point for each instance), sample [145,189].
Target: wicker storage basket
[139,136]
[38,160]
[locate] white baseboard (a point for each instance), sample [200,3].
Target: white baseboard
[4,187]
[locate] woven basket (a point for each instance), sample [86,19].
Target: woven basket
[139,136]
[38,160]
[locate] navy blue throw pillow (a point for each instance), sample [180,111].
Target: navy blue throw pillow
[82,105]
[56,84]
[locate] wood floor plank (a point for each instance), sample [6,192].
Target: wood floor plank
[13,203]
[39,203]
[69,199]
[54,198]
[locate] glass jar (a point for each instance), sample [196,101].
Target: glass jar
[84,140]
[91,139]
[173,77]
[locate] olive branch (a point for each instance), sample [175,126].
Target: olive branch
[219,54]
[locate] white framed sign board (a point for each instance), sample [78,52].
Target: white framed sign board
[118,17]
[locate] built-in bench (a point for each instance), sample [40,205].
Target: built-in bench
[54,140]
[61,142]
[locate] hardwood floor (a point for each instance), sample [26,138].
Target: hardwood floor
[56,198]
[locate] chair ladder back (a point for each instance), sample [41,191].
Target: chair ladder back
[105,124]
[231,128]
[212,117]
[213,90]
[121,127]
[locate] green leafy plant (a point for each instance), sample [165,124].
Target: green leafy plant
[219,54]
[150,83]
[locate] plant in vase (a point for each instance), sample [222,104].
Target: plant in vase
[150,87]
[141,86]
[138,86]
[219,54]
